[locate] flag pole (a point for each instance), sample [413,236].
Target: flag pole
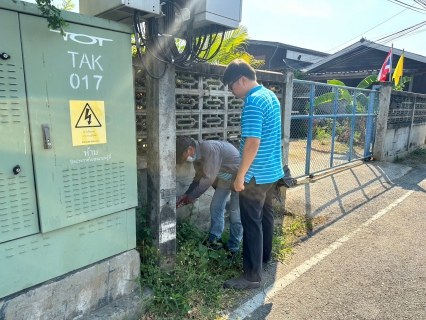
[390,67]
[402,75]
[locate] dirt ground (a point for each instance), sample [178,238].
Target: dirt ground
[320,155]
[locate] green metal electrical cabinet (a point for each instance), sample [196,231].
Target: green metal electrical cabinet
[67,145]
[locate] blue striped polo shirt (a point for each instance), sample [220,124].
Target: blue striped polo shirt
[261,118]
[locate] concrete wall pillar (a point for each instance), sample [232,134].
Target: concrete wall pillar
[161,159]
[382,121]
[413,113]
[286,107]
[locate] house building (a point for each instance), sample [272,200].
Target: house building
[361,59]
[279,56]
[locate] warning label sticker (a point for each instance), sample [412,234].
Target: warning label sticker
[87,122]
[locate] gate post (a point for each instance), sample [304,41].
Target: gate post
[382,120]
[369,125]
[286,107]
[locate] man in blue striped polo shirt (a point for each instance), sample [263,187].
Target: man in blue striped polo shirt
[260,168]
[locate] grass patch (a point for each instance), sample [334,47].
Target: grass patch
[414,158]
[193,289]
[289,228]
[341,147]
[419,152]
[398,159]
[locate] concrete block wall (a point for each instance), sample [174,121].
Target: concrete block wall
[401,125]
[401,141]
[199,212]
[396,142]
[418,136]
[205,110]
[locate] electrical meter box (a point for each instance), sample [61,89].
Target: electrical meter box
[68,187]
[120,10]
[226,13]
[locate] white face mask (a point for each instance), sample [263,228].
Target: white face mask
[190,159]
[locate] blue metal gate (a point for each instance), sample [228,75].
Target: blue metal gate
[330,126]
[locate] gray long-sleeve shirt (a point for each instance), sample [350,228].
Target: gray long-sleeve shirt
[212,157]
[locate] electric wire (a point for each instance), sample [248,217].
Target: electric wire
[161,41]
[367,30]
[405,5]
[423,1]
[138,36]
[377,43]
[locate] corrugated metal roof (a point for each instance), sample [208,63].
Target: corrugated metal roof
[362,46]
[287,46]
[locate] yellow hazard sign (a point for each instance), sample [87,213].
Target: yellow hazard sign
[87,122]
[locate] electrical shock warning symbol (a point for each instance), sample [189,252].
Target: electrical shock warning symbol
[88,118]
[88,124]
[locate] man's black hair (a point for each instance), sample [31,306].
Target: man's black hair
[182,144]
[236,69]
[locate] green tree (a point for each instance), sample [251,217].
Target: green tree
[300,75]
[343,94]
[67,5]
[53,14]
[234,47]
[371,80]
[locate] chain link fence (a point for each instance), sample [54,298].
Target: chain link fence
[330,126]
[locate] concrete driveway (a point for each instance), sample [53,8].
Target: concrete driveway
[366,262]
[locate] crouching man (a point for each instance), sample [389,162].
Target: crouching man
[215,162]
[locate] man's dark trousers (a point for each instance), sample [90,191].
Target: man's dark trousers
[257,219]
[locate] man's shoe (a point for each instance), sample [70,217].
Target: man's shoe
[216,245]
[265,265]
[240,283]
[232,256]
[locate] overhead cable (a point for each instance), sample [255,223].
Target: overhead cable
[384,40]
[405,5]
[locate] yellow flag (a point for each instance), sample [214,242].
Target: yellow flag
[397,74]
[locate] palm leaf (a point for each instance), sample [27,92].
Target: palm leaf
[367,82]
[336,82]
[324,98]
[233,47]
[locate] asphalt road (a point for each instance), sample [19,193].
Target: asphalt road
[370,263]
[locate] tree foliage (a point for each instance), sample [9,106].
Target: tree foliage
[67,5]
[233,46]
[53,14]
[361,100]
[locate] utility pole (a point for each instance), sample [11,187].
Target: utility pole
[161,157]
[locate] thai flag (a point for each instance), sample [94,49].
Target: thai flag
[385,68]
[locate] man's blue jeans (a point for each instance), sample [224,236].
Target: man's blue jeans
[217,213]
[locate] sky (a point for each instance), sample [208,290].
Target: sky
[329,25]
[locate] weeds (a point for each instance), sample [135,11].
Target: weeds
[419,152]
[193,289]
[287,233]
[414,158]
[398,159]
